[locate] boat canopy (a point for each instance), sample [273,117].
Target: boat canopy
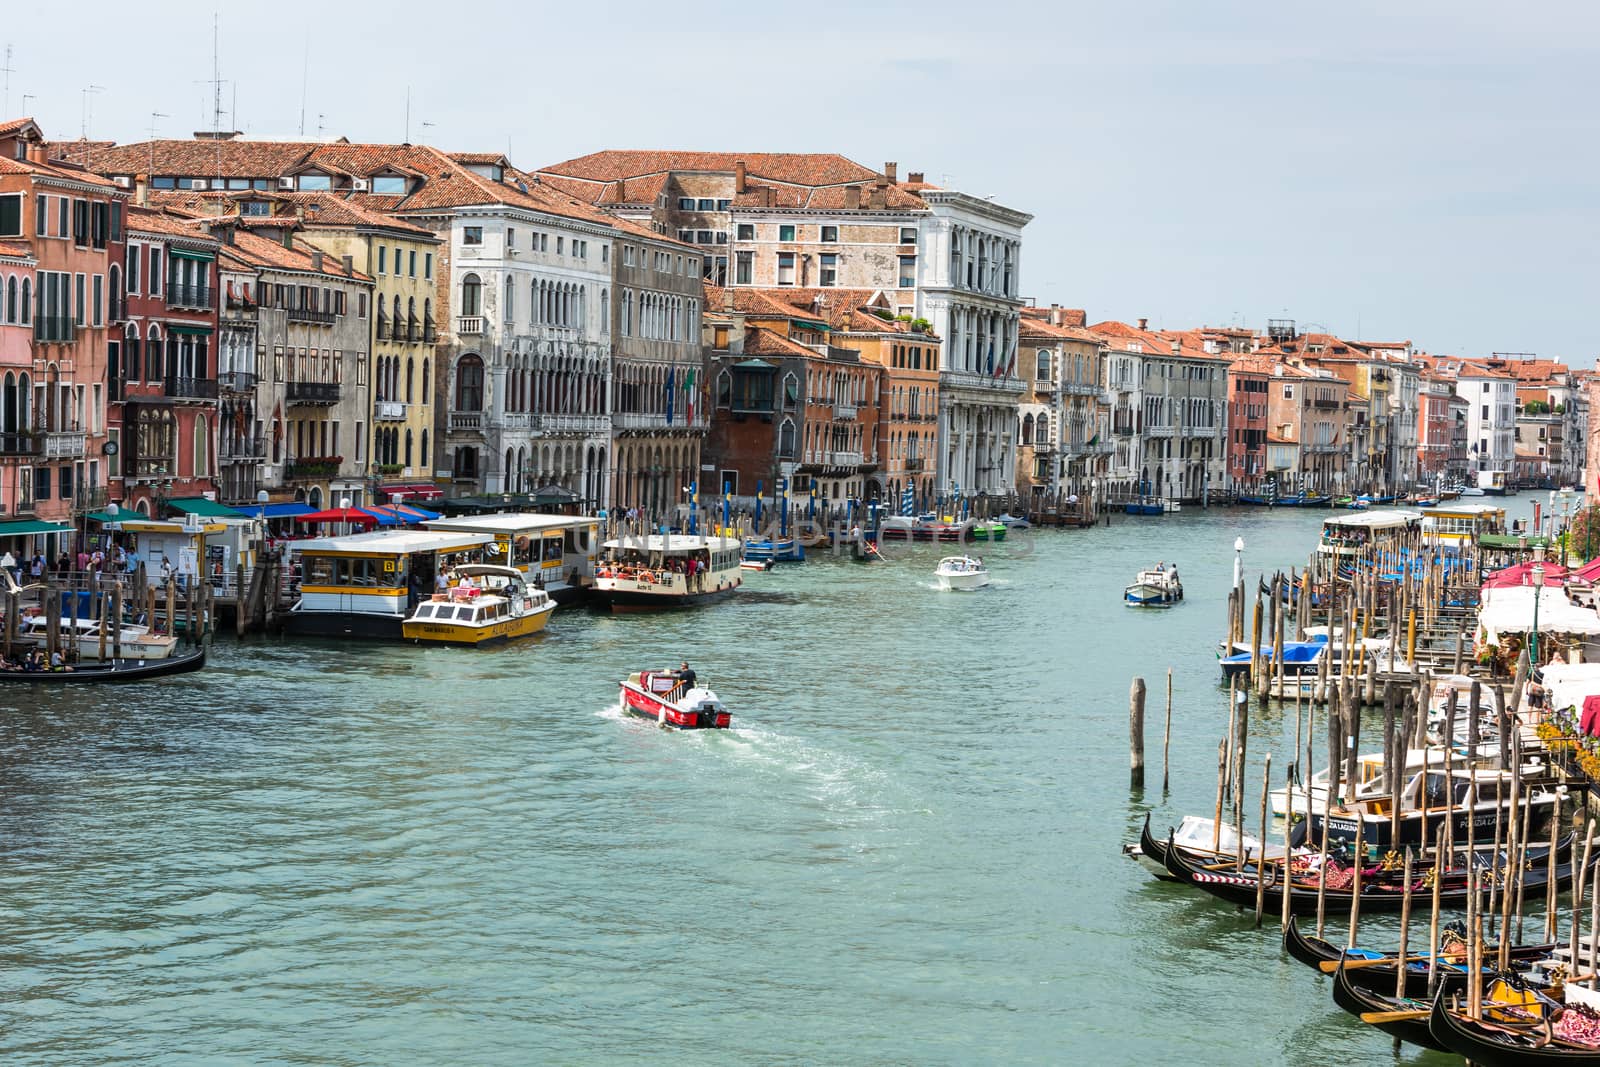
[393,543]
[675,544]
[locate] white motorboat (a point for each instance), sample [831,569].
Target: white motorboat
[137,642]
[962,573]
[1158,587]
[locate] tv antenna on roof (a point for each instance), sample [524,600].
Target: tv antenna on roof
[89,92]
[5,96]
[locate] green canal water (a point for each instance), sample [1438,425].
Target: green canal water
[905,852]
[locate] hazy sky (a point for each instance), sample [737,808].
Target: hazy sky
[1387,171]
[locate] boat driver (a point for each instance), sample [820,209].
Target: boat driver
[686,677]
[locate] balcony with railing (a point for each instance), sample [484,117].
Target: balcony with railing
[430,334]
[1080,389]
[312,467]
[960,379]
[193,297]
[191,388]
[312,392]
[90,497]
[382,331]
[588,425]
[311,315]
[466,422]
[390,410]
[246,449]
[844,410]
[236,381]
[469,325]
[65,445]
[1154,430]
[913,464]
[21,444]
[413,330]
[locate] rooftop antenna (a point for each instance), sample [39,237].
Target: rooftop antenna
[320,117]
[305,76]
[408,115]
[89,92]
[6,94]
[154,115]
[25,98]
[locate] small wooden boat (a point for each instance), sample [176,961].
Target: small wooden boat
[1158,587]
[137,640]
[122,670]
[962,573]
[662,696]
[776,549]
[486,603]
[1498,1041]
[757,564]
[1403,1018]
[1194,834]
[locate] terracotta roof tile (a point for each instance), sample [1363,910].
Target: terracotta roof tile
[792,168]
[150,221]
[15,251]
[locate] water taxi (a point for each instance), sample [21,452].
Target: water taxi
[137,642]
[670,700]
[485,602]
[1158,587]
[1347,536]
[666,571]
[364,585]
[962,573]
[555,553]
[1456,526]
[1493,483]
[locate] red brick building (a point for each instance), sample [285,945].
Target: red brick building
[1249,378]
[163,408]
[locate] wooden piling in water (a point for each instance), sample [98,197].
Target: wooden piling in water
[1136,733]
[1405,929]
[1261,860]
[116,620]
[239,610]
[1166,737]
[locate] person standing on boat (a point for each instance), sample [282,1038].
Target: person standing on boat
[686,677]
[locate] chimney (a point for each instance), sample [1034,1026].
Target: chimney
[769,196]
[316,259]
[1177,346]
[915,177]
[141,190]
[889,170]
[1055,314]
[1142,323]
[36,153]
[738,176]
[852,197]
[879,197]
[349,265]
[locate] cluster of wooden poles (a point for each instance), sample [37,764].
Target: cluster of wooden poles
[60,602]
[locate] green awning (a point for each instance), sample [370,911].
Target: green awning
[807,324]
[25,527]
[106,516]
[1513,541]
[184,253]
[206,509]
[177,327]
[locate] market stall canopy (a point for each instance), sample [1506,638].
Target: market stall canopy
[1589,572]
[1510,610]
[281,511]
[1570,684]
[204,507]
[355,515]
[1522,574]
[25,527]
[412,491]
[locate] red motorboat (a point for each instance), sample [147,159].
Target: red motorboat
[662,696]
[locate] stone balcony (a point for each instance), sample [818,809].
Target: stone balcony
[390,410]
[66,445]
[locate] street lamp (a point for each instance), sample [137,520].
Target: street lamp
[1533,639]
[261,519]
[1238,561]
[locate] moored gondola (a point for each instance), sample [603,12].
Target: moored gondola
[1377,969]
[1489,1044]
[122,670]
[1239,887]
[1404,1018]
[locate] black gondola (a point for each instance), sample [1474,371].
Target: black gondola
[1356,1000]
[1155,850]
[1314,952]
[122,670]
[1490,1045]
[1239,889]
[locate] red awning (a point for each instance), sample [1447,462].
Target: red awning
[413,491]
[353,515]
[1589,723]
[1589,572]
[1522,574]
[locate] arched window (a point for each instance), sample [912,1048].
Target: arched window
[1027,429]
[152,356]
[426,381]
[510,310]
[471,295]
[411,366]
[424,456]
[469,383]
[27,301]
[786,439]
[427,319]
[407,461]
[202,447]
[383,318]
[11,299]
[605,310]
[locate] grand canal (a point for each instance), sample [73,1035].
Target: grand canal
[906,851]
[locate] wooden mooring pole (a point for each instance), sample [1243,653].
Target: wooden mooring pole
[1136,733]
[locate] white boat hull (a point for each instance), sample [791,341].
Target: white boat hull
[964,582]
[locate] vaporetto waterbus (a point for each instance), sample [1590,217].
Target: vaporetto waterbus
[1456,525]
[675,570]
[1348,535]
[556,553]
[364,585]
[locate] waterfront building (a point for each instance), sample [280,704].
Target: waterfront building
[162,408]
[791,407]
[659,393]
[1309,422]
[70,223]
[1066,450]
[1435,426]
[818,220]
[1249,381]
[305,412]
[1491,415]
[1549,392]
[17,426]
[1178,406]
